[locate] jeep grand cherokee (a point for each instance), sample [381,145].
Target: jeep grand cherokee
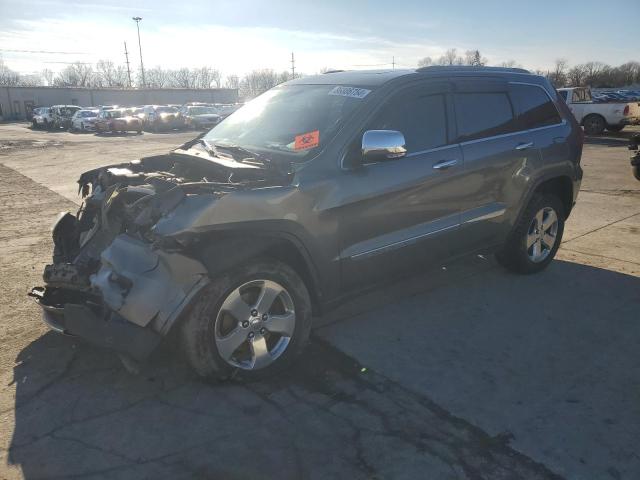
[317,189]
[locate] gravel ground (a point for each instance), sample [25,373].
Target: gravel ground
[532,377]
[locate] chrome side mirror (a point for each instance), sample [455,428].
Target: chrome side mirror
[380,145]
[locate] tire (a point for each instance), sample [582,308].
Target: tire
[34,125]
[594,124]
[615,128]
[209,324]
[519,253]
[139,132]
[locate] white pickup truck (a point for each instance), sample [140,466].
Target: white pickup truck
[596,117]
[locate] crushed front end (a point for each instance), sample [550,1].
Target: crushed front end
[114,281]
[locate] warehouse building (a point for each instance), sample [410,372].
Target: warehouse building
[16,103]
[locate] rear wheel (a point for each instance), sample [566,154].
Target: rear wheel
[536,239]
[594,124]
[248,323]
[615,128]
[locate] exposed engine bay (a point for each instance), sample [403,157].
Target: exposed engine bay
[115,280]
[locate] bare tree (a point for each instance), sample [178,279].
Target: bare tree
[47,75]
[576,76]
[258,81]
[450,57]
[510,64]
[75,75]
[474,58]
[232,81]
[109,75]
[208,77]
[7,76]
[593,71]
[32,80]
[182,78]
[629,73]
[558,77]
[425,62]
[157,77]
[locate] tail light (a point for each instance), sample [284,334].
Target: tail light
[625,112]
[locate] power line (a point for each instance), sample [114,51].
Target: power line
[42,51]
[72,63]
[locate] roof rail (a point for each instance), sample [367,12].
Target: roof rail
[333,71]
[470,68]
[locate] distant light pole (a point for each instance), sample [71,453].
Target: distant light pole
[137,20]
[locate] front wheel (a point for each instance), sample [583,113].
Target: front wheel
[537,236]
[249,323]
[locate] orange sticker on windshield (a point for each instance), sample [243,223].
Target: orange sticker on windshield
[307,140]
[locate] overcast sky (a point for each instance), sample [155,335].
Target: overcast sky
[236,36]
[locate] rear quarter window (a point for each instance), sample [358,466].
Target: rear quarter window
[534,108]
[483,114]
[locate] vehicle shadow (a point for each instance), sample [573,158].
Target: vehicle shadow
[118,134]
[611,139]
[464,336]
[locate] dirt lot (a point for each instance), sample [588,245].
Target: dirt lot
[527,377]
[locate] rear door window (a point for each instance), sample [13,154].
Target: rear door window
[534,107]
[421,118]
[483,114]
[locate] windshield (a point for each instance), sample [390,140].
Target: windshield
[166,109]
[291,121]
[201,110]
[87,113]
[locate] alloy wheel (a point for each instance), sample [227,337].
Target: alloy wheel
[542,234]
[255,324]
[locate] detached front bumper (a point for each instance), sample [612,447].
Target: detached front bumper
[129,303]
[112,332]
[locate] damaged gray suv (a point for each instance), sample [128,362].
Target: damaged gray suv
[317,189]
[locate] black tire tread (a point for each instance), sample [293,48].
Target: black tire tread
[197,326]
[513,256]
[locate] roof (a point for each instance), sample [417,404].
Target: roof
[374,78]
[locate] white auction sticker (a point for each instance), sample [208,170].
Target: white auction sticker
[353,92]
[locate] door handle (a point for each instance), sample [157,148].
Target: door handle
[444,164]
[524,146]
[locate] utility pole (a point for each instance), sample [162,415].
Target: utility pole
[393,63]
[126,55]
[293,66]
[137,20]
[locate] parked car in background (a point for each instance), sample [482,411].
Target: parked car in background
[226,109]
[162,118]
[200,117]
[42,118]
[321,188]
[117,120]
[84,121]
[596,117]
[61,115]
